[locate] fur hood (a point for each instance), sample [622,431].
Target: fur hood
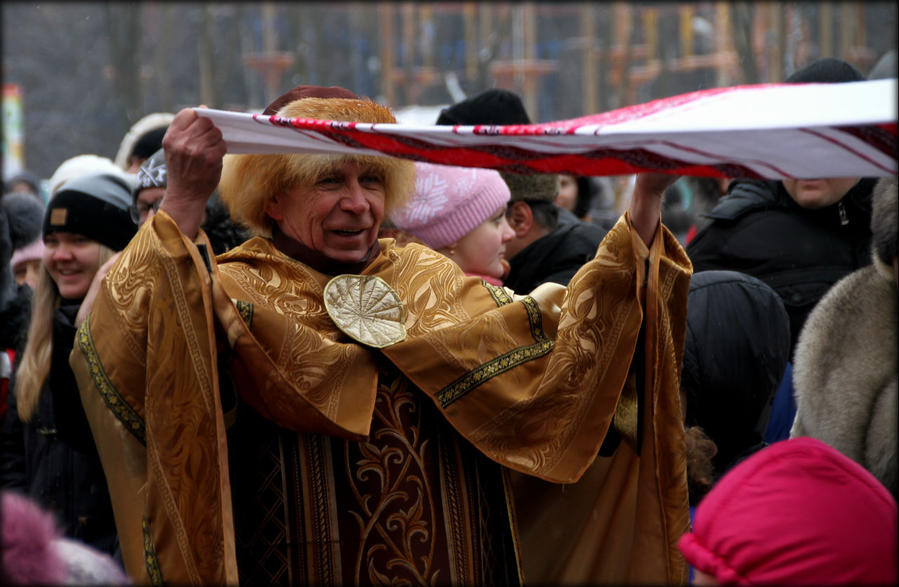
[852,403]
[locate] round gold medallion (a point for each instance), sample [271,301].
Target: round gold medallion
[366,309]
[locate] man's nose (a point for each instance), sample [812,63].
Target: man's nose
[354,199]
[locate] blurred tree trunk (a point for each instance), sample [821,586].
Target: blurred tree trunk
[204,57]
[742,21]
[357,16]
[254,88]
[299,70]
[604,58]
[123,28]
[589,63]
[161,80]
[778,56]
[622,33]
[387,45]
[494,25]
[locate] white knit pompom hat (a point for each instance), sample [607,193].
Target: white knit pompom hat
[449,202]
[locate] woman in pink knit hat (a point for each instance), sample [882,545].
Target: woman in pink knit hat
[461,213]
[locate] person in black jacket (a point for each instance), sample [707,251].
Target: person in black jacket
[736,348]
[543,249]
[48,451]
[800,236]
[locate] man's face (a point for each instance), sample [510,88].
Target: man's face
[339,215]
[818,193]
[147,203]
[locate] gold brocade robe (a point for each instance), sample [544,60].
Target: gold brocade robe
[532,383]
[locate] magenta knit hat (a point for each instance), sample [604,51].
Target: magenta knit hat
[449,202]
[796,512]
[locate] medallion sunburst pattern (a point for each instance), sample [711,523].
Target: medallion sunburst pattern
[366,309]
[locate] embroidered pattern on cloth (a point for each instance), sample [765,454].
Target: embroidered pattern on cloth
[542,345]
[760,131]
[499,294]
[153,570]
[245,309]
[114,401]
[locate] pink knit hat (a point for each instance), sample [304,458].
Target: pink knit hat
[30,252]
[796,512]
[449,202]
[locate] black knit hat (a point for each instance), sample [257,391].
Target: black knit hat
[95,206]
[493,106]
[502,107]
[827,70]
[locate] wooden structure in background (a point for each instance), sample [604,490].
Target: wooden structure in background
[631,57]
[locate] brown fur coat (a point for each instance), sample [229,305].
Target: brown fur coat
[845,372]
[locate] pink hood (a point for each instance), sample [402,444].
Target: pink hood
[797,512]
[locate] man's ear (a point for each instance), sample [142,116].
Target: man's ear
[273,208]
[520,218]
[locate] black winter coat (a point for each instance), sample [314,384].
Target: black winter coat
[555,257]
[758,229]
[52,458]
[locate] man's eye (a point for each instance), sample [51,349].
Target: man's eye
[371,179]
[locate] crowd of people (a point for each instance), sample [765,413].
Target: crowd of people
[348,369]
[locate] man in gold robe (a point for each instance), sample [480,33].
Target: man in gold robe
[318,406]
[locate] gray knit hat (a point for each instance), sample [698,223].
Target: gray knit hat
[153,173]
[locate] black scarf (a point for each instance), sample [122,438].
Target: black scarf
[316,260]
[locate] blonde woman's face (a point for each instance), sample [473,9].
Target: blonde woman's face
[71,260]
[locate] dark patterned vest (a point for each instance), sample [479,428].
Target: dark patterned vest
[415,504]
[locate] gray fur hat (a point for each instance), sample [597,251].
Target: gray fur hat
[885,225]
[532,188]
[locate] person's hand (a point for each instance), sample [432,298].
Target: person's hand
[646,203]
[91,295]
[194,150]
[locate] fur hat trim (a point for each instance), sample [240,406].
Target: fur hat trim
[249,182]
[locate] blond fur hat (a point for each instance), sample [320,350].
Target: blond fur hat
[249,182]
